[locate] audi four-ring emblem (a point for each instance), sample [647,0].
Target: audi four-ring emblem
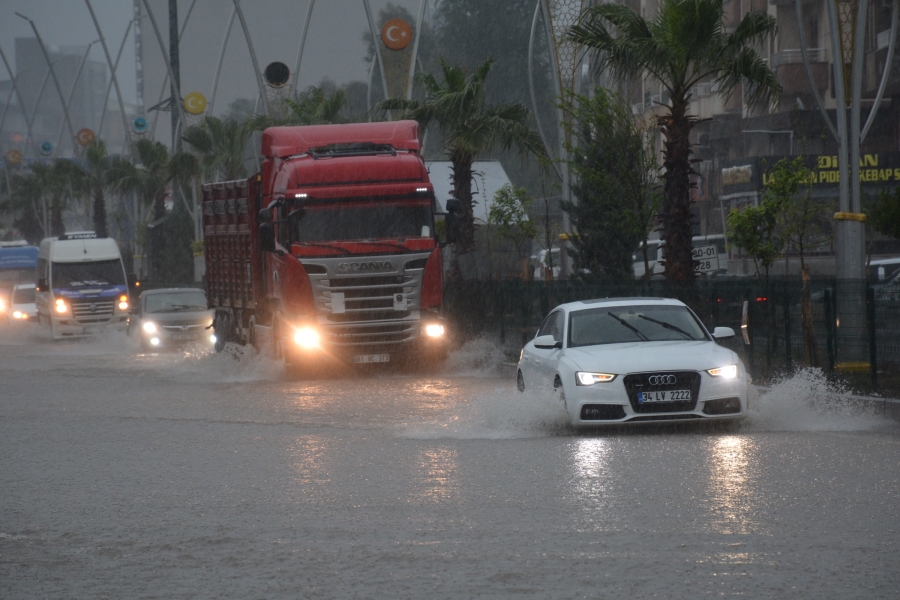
[662,379]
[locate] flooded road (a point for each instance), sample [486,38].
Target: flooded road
[193,475]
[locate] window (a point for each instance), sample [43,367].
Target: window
[88,274]
[345,221]
[622,324]
[553,325]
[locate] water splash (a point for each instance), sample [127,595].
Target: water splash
[807,401]
[478,358]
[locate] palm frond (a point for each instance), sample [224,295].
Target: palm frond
[749,67]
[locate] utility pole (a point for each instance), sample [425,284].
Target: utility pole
[175,84]
[847,21]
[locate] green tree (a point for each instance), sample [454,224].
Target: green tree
[614,183]
[96,174]
[219,143]
[755,229]
[684,44]
[313,106]
[470,127]
[509,215]
[884,213]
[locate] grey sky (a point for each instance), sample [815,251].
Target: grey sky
[334,47]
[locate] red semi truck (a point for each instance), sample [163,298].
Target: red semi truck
[329,253]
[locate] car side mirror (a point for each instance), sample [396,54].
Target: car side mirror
[721,333]
[546,342]
[267,237]
[42,285]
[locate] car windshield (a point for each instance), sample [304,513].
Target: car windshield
[23,296]
[175,302]
[638,323]
[357,221]
[88,274]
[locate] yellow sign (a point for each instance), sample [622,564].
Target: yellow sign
[13,157]
[396,34]
[195,103]
[84,136]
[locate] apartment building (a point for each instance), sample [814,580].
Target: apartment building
[737,144]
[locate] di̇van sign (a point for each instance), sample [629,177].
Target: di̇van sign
[880,169]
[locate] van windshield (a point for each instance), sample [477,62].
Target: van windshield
[87,274]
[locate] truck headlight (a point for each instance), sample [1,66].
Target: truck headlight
[583,378]
[729,372]
[61,307]
[307,337]
[434,330]
[123,302]
[149,326]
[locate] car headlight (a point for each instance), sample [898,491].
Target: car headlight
[123,302]
[61,307]
[2,305]
[149,326]
[729,372]
[434,330]
[306,337]
[584,378]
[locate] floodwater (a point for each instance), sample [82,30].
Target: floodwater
[195,475]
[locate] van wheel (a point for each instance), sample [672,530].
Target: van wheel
[520,382]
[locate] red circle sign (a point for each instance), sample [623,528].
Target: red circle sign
[396,34]
[84,136]
[13,157]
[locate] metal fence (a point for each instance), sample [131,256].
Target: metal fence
[779,340]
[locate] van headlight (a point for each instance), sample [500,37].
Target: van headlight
[149,327]
[729,372]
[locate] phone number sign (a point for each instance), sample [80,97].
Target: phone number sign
[706,259]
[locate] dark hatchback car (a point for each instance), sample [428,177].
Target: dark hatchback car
[173,317]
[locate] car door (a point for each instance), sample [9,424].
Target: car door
[546,359]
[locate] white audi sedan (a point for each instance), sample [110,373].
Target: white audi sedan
[632,360]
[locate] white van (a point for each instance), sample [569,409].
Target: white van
[81,285]
[656,250]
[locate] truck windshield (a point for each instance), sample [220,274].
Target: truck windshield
[345,221]
[102,272]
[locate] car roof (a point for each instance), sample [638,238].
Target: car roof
[171,290]
[629,301]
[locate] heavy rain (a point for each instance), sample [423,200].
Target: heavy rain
[449,298]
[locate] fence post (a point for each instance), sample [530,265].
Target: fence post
[750,323]
[873,346]
[829,330]
[788,358]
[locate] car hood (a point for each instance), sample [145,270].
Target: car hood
[639,357]
[188,317]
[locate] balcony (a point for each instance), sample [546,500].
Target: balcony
[791,74]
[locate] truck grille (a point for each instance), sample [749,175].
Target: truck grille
[93,311]
[371,334]
[369,298]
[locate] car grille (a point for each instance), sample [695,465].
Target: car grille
[640,382]
[93,311]
[722,406]
[602,412]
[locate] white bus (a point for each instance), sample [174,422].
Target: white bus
[81,285]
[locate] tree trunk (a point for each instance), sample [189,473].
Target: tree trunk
[676,209]
[159,207]
[809,330]
[57,227]
[99,210]
[462,191]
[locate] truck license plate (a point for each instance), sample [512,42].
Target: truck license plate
[669,396]
[371,358]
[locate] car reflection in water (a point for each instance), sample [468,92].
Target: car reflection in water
[172,318]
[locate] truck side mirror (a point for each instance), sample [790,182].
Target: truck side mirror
[267,236]
[264,215]
[452,220]
[42,285]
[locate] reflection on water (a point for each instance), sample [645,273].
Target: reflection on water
[588,490]
[439,472]
[309,457]
[731,495]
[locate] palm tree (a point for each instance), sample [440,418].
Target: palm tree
[470,127]
[148,178]
[96,173]
[314,106]
[220,146]
[683,45]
